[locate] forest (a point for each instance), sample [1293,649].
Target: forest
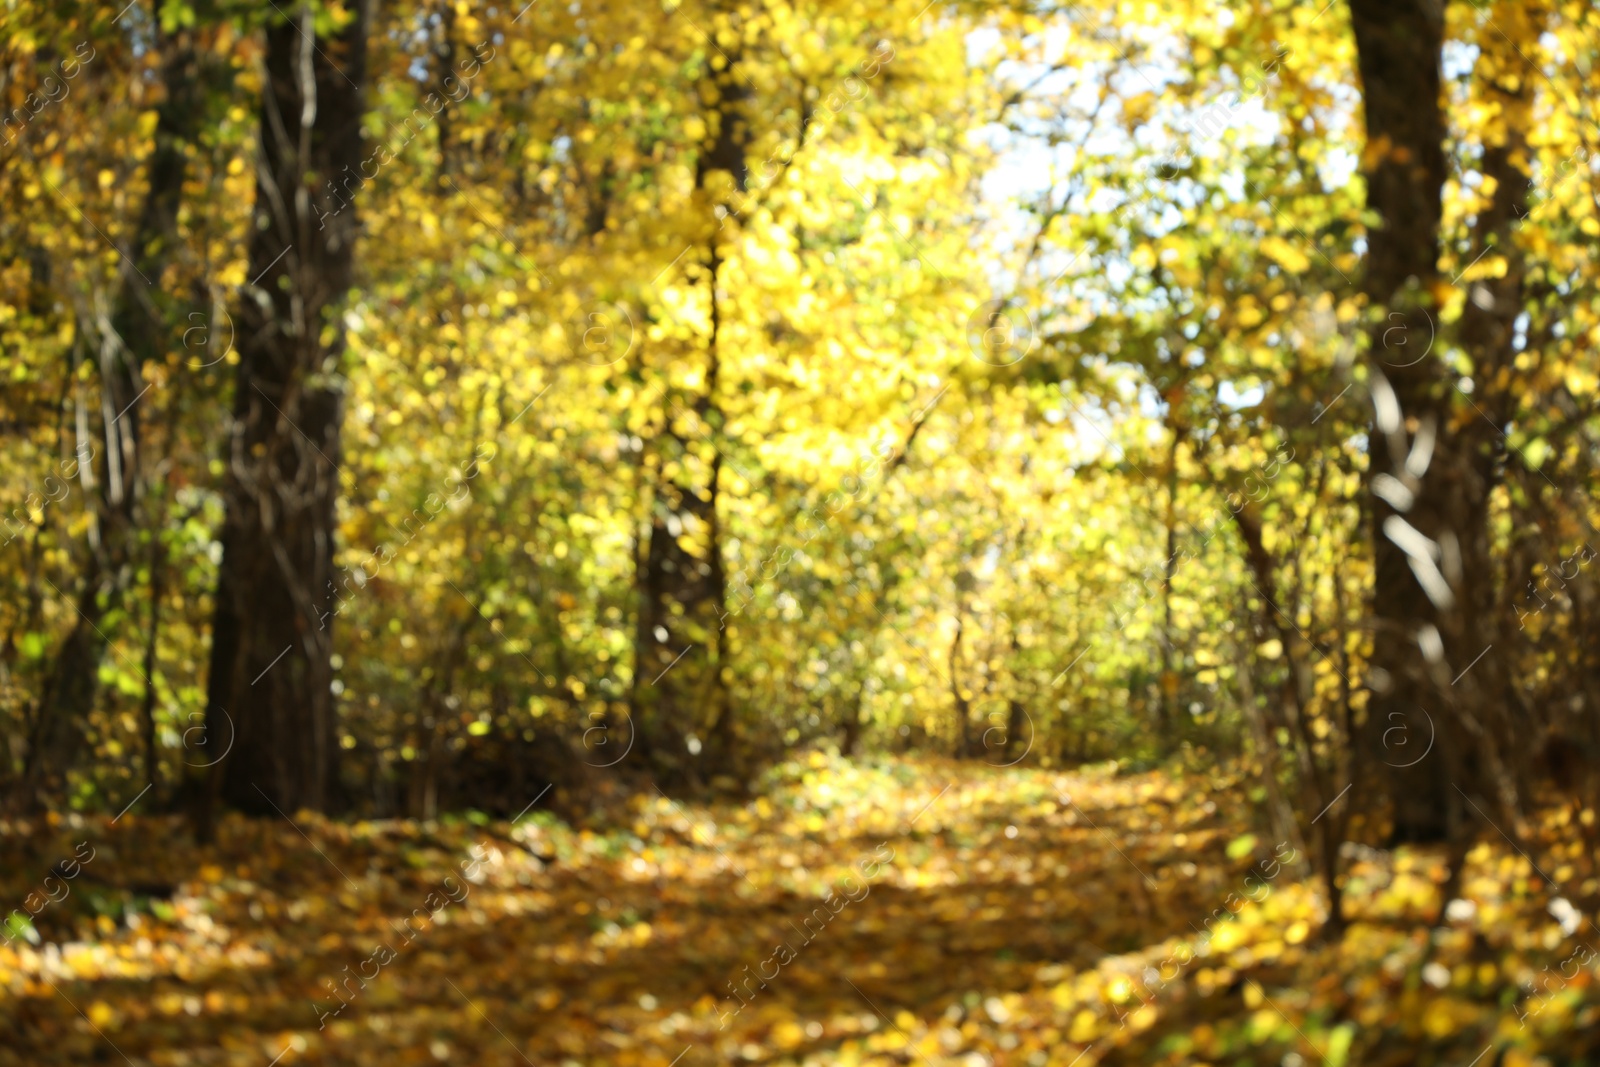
[842,533]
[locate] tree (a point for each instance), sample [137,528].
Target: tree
[1422,487]
[269,690]
[118,342]
[678,647]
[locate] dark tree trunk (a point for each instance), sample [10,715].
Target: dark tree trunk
[1019,732]
[1017,736]
[850,724]
[270,694]
[152,642]
[965,746]
[682,588]
[67,696]
[1487,331]
[678,640]
[1417,566]
[1169,667]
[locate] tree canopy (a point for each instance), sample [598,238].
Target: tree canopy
[409,406]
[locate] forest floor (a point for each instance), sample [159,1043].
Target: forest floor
[1008,917]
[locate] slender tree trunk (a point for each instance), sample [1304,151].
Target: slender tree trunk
[158,564]
[679,647]
[126,336]
[1017,740]
[67,696]
[850,727]
[1169,674]
[270,682]
[681,594]
[1279,812]
[958,695]
[1487,331]
[1355,764]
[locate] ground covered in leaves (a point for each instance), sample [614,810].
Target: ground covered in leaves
[891,912]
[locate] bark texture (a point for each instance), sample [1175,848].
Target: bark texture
[1441,730]
[680,704]
[270,702]
[119,336]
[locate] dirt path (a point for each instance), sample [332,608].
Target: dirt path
[923,912]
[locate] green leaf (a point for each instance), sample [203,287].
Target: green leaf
[19,925]
[1339,1045]
[1536,452]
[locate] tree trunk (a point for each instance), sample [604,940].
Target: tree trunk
[1488,335]
[850,726]
[135,331]
[1279,811]
[270,681]
[965,747]
[1169,671]
[1296,689]
[682,588]
[1016,713]
[1398,46]
[147,717]
[678,640]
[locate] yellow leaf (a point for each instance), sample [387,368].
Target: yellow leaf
[1286,255]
